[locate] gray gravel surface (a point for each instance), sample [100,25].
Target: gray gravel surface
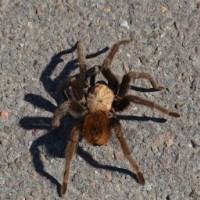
[36,53]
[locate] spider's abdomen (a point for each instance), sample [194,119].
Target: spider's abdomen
[100,98]
[96,128]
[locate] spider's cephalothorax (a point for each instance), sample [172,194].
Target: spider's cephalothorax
[98,106]
[100,98]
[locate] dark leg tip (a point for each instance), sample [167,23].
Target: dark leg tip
[63,189]
[159,88]
[141,179]
[174,114]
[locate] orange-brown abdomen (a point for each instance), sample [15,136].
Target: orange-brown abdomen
[96,128]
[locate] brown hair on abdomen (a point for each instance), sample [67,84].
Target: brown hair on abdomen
[96,128]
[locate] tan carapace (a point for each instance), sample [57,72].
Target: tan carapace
[100,98]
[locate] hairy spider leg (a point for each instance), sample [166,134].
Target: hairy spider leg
[126,150]
[79,82]
[123,103]
[82,64]
[71,82]
[93,75]
[69,153]
[70,107]
[105,68]
[125,84]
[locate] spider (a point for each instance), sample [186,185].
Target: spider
[97,104]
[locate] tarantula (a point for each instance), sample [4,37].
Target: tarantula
[97,104]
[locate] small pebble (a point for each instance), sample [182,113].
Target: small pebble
[124,24]
[30,25]
[108,177]
[148,186]
[4,114]
[116,155]
[107,9]
[2,181]
[59,5]
[162,9]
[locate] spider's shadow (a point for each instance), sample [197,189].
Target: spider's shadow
[55,140]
